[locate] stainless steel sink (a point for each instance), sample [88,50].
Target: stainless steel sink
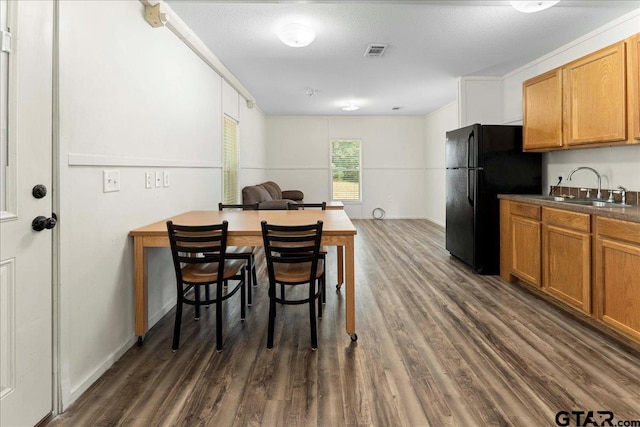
[597,203]
[551,198]
[585,202]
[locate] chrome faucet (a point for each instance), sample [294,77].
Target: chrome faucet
[599,195]
[623,194]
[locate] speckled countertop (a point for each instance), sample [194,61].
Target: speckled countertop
[629,213]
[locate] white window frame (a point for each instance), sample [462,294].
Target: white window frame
[230,195]
[331,170]
[8,207]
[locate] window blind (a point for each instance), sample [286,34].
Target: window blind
[230,162]
[345,169]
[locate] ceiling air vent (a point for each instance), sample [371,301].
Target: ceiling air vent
[376,50]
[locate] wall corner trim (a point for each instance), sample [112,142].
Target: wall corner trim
[159,14]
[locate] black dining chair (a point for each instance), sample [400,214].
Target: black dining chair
[301,206]
[323,249]
[244,252]
[199,259]
[293,259]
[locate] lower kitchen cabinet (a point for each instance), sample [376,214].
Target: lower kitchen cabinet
[617,278]
[525,242]
[566,256]
[587,261]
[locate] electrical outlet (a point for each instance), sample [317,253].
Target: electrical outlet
[158,179]
[165,175]
[110,181]
[147,180]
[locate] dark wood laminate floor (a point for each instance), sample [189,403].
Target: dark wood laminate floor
[438,345]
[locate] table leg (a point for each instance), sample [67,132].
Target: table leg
[340,262]
[350,297]
[140,274]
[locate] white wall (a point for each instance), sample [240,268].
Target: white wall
[392,160]
[143,102]
[437,124]
[253,153]
[479,100]
[298,155]
[135,99]
[618,165]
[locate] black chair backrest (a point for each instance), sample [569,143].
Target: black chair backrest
[297,206]
[292,244]
[198,245]
[251,207]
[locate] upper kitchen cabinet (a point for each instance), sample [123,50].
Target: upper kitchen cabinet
[633,88]
[589,102]
[595,97]
[542,111]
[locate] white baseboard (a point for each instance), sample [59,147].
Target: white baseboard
[155,318]
[113,358]
[88,382]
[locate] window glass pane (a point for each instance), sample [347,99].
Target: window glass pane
[230,166]
[4,109]
[345,169]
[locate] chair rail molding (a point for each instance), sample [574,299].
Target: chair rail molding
[83,159]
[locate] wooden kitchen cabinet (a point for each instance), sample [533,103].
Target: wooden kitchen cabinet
[524,242]
[633,88]
[542,111]
[566,256]
[617,278]
[595,97]
[587,261]
[593,101]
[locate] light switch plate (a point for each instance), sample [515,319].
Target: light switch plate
[147,180]
[158,179]
[110,181]
[165,176]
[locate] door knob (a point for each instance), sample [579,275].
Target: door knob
[39,191]
[39,223]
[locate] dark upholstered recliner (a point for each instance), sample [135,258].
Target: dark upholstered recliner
[268,195]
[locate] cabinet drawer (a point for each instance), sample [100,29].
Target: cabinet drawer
[566,219]
[525,210]
[621,230]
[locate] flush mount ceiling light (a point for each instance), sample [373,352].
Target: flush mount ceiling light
[311,92]
[350,107]
[532,6]
[296,35]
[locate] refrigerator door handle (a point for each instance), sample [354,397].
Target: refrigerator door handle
[470,192]
[469,138]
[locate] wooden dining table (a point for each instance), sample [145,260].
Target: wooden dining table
[245,230]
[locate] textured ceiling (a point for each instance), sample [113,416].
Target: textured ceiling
[431,44]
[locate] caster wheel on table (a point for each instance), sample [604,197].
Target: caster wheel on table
[354,337]
[338,287]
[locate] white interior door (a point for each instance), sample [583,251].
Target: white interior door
[25,254]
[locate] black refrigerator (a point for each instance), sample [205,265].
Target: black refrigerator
[483,161]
